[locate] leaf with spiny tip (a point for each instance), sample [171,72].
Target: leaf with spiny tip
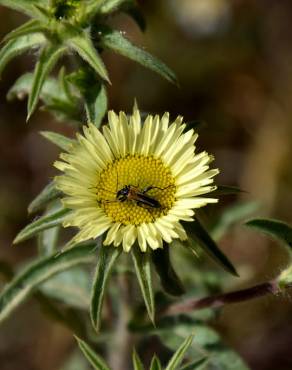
[23,284]
[96,104]
[18,46]
[115,41]
[61,141]
[94,359]
[30,27]
[226,190]
[155,363]
[47,195]
[23,6]
[178,356]
[143,271]
[107,256]
[201,236]
[84,47]
[137,363]
[168,277]
[43,223]
[47,60]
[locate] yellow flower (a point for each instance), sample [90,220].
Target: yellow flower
[134,181]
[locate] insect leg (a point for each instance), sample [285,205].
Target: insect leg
[148,188]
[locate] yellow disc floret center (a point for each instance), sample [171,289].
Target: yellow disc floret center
[136,189]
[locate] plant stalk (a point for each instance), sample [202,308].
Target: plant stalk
[219,300]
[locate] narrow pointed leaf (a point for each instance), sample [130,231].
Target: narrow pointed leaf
[107,256]
[168,277]
[47,241]
[32,26]
[201,236]
[96,105]
[137,363]
[61,141]
[143,271]
[23,6]
[53,94]
[226,190]
[47,60]
[115,41]
[70,287]
[39,271]
[196,365]
[48,194]
[179,354]
[277,229]
[94,359]
[18,46]
[43,223]
[85,48]
[110,6]
[155,363]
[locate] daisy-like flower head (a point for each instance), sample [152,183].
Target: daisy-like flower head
[134,181]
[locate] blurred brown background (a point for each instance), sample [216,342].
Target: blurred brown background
[233,60]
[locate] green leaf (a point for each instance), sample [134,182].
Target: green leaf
[155,363]
[94,359]
[207,341]
[230,216]
[18,46]
[143,271]
[195,365]
[168,277]
[48,194]
[43,223]
[178,356]
[54,95]
[23,6]
[201,236]
[47,60]
[32,26]
[226,190]
[137,363]
[225,359]
[115,41]
[70,287]
[110,6]
[39,271]
[96,104]
[107,257]
[85,48]
[277,229]
[61,141]
[47,241]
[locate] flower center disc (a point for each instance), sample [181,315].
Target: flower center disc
[139,172]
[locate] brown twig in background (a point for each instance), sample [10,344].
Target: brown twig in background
[219,300]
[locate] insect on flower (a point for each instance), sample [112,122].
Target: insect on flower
[139,196]
[102,169]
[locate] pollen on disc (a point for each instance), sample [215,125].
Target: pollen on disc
[140,172]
